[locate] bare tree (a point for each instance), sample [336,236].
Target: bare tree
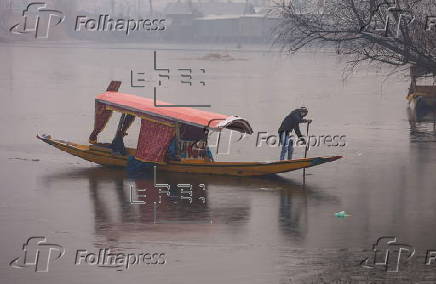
[397,33]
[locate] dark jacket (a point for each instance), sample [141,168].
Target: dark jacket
[291,122]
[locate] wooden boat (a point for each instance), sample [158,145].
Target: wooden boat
[421,98]
[161,126]
[422,104]
[103,156]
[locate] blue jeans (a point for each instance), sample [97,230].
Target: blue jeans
[287,146]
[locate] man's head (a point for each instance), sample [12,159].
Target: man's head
[303,111]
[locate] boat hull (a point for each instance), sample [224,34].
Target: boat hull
[104,156]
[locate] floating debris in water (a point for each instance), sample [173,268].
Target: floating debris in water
[341,214]
[219,57]
[264,188]
[24,159]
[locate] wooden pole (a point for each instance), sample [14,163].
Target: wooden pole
[177,139]
[434,118]
[305,151]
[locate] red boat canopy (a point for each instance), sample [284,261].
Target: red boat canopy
[140,106]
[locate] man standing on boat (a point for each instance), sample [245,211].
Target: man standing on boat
[289,123]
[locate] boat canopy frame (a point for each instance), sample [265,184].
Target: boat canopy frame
[155,111]
[157,120]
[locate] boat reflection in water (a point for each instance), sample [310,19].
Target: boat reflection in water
[125,208]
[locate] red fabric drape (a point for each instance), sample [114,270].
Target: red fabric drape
[154,138]
[101,118]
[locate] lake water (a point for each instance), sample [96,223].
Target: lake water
[245,230]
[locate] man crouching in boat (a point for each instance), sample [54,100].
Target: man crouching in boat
[289,123]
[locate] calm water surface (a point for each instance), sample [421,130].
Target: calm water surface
[247,230]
